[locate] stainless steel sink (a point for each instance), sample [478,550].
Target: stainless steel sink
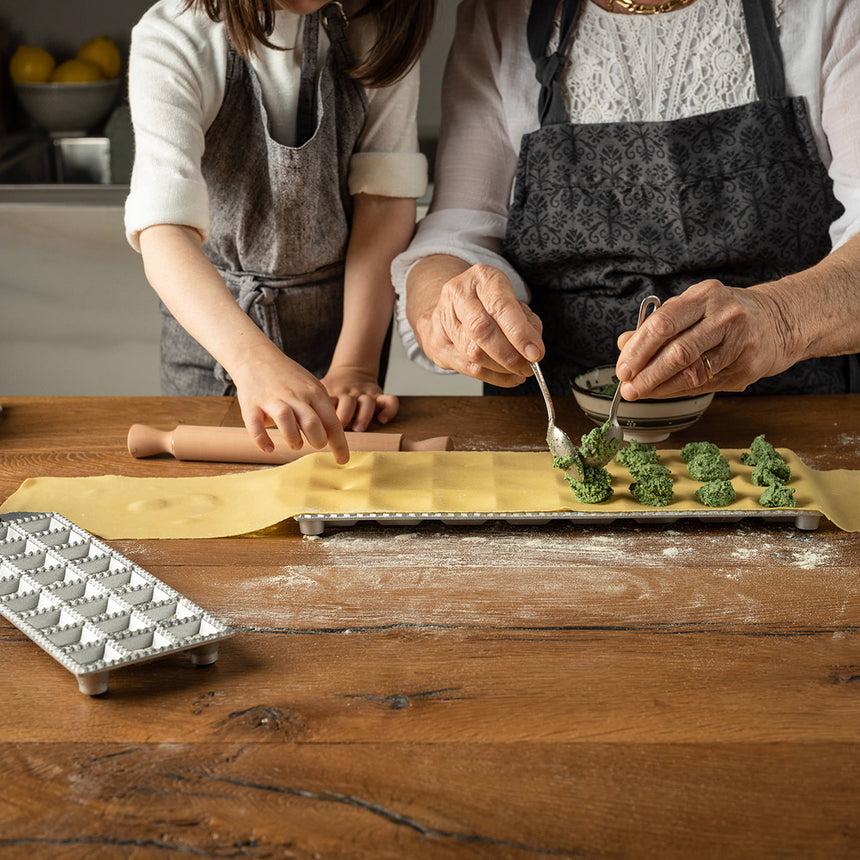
[36,158]
[40,160]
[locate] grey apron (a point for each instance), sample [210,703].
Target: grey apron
[606,214]
[280,215]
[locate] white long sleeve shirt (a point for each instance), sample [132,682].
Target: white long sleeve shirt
[620,67]
[177,75]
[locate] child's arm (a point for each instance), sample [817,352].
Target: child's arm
[270,386]
[381,229]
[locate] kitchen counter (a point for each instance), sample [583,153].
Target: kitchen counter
[678,690]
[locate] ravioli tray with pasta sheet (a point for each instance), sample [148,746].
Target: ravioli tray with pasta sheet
[683,502]
[92,609]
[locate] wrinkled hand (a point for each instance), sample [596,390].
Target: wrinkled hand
[479,328]
[272,388]
[743,332]
[358,398]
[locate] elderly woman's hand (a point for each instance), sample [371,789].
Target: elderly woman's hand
[710,338]
[469,319]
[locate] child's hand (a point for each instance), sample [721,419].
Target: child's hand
[358,397]
[271,387]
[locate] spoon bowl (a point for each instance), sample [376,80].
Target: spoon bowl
[565,454]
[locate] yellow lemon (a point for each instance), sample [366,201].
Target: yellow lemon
[31,65]
[103,51]
[77,72]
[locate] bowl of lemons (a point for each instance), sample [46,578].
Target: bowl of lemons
[71,97]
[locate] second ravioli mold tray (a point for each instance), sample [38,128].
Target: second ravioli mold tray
[91,608]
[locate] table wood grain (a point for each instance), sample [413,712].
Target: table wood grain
[675,690]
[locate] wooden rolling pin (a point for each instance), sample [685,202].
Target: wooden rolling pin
[234,445]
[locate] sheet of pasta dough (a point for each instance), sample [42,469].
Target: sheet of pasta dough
[493,482]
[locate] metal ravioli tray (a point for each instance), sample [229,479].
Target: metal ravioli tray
[90,608]
[314,524]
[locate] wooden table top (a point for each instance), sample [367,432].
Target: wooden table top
[678,690]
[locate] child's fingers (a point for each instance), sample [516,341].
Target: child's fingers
[338,444]
[320,428]
[321,425]
[346,405]
[288,426]
[255,425]
[365,407]
[387,406]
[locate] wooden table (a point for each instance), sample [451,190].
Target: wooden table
[686,690]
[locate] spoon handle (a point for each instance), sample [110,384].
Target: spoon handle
[550,410]
[649,302]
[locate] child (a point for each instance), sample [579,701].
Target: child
[275,176]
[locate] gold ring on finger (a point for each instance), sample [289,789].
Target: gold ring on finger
[707,363]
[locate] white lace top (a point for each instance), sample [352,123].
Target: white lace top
[621,67]
[626,67]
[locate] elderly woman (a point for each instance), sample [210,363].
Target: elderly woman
[597,151]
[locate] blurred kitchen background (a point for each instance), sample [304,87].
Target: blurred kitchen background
[77,316]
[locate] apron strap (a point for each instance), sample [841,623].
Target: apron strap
[336,23]
[551,108]
[306,113]
[764,45]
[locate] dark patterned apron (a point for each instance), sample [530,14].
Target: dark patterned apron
[606,214]
[280,215]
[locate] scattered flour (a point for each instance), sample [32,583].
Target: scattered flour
[501,573]
[812,559]
[849,440]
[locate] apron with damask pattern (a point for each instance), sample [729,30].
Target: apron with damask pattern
[606,214]
[280,215]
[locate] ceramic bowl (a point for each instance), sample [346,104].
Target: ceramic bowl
[67,109]
[647,421]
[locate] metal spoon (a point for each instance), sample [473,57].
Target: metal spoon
[614,433]
[560,446]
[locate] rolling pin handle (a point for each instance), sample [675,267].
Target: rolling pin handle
[145,441]
[436,443]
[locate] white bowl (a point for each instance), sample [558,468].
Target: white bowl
[68,109]
[647,421]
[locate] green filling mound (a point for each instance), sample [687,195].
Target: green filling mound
[655,490]
[610,388]
[769,466]
[760,449]
[637,453]
[716,494]
[771,471]
[596,447]
[595,486]
[709,466]
[777,496]
[695,449]
[653,482]
[645,471]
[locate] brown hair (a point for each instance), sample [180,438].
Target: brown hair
[402,30]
